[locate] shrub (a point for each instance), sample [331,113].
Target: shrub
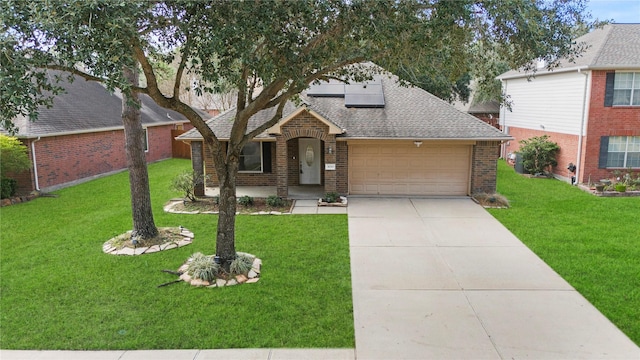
[203,267]
[538,154]
[331,197]
[186,183]
[274,201]
[7,188]
[245,200]
[13,155]
[241,264]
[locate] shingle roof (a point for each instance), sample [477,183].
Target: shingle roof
[612,47]
[87,106]
[409,112]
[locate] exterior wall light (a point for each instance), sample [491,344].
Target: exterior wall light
[417,143]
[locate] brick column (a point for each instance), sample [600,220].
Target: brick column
[197,163]
[330,158]
[282,159]
[484,167]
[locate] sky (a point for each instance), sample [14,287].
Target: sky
[621,11]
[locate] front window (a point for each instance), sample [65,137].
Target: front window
[251,157]
[626,88]
[623,152]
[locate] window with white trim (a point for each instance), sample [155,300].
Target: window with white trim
[623,152]
[626,89]
[251,157]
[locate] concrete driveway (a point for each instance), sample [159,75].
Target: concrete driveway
[442,279]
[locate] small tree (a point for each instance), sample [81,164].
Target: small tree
[14,158]
[538,154]
[186,182]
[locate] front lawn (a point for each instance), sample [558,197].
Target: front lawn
[59,291]
[592,242]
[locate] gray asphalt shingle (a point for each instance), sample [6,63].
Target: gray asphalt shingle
[409,112]
[87,106]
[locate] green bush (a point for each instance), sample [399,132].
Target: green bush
[274,201]
[7,188]
[203,267]
[241,264]
[538,154]
[245,200]
[14,156]
[186,183]
[331,197]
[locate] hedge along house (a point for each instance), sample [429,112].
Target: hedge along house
[372,138]
[81,136]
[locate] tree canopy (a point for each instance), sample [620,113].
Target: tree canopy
[268,50]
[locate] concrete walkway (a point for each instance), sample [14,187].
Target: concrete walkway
[442,279]
[435,279]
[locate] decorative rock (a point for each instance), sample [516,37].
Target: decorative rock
[199,282]
[253,274]
[185,277]
[183,268]
[170,246]
[232,282]
[275,213]
[184,242]
[251,281]
[241,279]
[221,282]
[152,249]
[125,251]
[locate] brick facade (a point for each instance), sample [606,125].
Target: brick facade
[605,121]
[484,162]
[67,158]
[286,169]
[568,147]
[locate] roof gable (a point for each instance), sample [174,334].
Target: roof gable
[277,128]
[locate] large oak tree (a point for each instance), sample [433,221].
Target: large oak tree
[269,50]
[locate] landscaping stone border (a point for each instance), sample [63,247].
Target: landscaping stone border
[107,248]
[252,277]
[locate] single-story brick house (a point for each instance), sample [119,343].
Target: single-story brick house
[589,107]
[372,138]
[81,136]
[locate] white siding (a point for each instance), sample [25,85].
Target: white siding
[553,101]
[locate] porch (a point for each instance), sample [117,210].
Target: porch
[301,192]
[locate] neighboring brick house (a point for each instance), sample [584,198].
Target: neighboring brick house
[376,138]
[81,136]
[590,107]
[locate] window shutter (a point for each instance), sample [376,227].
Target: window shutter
[266,157]
[604,150]
[608,90]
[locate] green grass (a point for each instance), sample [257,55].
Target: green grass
[59,291]
[592,242]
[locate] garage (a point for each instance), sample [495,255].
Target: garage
[404,168]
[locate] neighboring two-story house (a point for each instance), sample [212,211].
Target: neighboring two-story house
[589,107]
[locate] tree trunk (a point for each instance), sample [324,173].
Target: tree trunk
[143,224]
[225,240]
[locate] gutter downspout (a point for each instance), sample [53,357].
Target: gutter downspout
[582,122]
[35,163]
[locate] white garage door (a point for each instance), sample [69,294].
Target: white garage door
[404,169]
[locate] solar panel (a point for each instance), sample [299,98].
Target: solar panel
[364,95]
[324,89]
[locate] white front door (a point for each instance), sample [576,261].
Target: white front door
[309,161]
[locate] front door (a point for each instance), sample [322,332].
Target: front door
[309,161]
